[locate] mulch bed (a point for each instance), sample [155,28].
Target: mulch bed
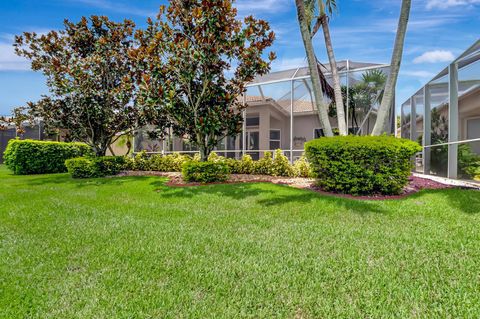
[415,184]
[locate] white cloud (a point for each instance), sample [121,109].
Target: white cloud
[288,63]
[118,6]
[434,57]
[445,4]
[418,74]
[247,7]
[9,61]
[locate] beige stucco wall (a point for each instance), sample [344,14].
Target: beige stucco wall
[468,107]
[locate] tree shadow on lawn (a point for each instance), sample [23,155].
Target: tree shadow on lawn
[66,179]
[307,196]
[465,200]
[232,191]
[277,197]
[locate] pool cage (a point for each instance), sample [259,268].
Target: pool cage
[281,112]
[444,117]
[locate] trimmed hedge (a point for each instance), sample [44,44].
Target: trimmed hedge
[205,172]
[83,167]
[26,157]
[362,164]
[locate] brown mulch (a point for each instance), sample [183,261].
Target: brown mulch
[415,183]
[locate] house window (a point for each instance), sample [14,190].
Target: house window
[275,139]
[253,121]
[318,132]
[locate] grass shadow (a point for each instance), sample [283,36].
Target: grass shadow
[465,200]
[278,196]
[65,179]
[307,196]
[232,191]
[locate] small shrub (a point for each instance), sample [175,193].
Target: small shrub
[468,162]
[246,165]
[362,164]
[25,157]
[176,161]
[264,166]
[109,165]
[81,167]
[301,168]
[159,163]
[233,165]
[281,165]
[205,172]
[141,162]
[215,158]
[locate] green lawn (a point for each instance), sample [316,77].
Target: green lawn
[134,248]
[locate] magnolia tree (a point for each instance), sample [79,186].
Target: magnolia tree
[89,73]
[193,64]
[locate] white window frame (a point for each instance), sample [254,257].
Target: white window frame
[465,125]
[279,140]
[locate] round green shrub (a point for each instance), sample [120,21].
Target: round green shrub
[81,167]
[205,172]
[26,157]
[362,164]
[109,165]
[89,167]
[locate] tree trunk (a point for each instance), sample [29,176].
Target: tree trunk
[342,123]
[322,108]
[204,153]
[387,100]
[111,150]
[100,149]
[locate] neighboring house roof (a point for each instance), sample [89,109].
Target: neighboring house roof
[299,106]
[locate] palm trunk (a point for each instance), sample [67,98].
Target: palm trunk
[312,64]
[387,100]
[342,124]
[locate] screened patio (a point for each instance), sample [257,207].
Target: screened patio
[281,112]
[444,116]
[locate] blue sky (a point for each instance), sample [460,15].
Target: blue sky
[362,31]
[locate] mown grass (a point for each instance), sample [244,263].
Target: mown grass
[134,248]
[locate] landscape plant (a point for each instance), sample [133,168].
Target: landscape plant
[90,76]
[205,172]
[90,167]
[25,157]
[281,165]
[362,165]
[193,63]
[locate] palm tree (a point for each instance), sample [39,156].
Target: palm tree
[326,9]
[384,109]
[322,107]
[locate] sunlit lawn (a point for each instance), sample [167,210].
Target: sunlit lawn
[134,248]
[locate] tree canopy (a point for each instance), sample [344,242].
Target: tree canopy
[193,63]
[90,76]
